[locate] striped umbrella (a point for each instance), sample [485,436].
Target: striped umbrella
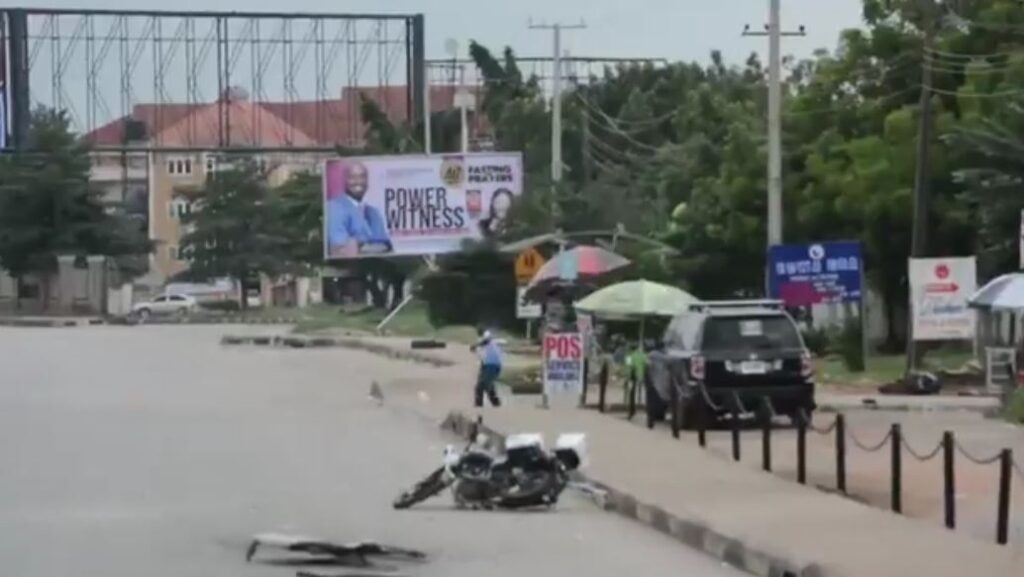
[577,264]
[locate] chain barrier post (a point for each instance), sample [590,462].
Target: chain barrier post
[801,448]
[673,395]
[602,383]
[735,424]
[766,434]
[841,452]
[586,382]
[949,478]
[897,468]
[632,392]
[1003,518]
[704,412]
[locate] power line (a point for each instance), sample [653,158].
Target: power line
[612,124]
[870,103]
[998,94]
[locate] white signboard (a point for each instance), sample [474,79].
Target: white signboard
[939,289]
[526,309]
[416,204]
[563,364]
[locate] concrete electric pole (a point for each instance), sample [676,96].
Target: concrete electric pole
[556,94]
[774,33]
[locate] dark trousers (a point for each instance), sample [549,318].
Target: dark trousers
[485,382]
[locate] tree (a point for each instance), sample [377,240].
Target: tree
[300,202]
[48,207]
[235,228]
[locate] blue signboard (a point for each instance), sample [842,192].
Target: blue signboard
[809,274]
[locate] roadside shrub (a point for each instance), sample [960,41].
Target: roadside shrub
[847,343]
[816,339]
[1014,411]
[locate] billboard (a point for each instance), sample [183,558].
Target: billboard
[826,272]
[416,205]
[939,290]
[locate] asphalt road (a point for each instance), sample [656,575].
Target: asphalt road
[153,451]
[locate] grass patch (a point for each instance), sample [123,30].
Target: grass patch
[882,369]
[411,321]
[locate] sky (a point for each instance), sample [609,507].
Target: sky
[673,29]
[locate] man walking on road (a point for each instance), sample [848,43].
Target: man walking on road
[489,351]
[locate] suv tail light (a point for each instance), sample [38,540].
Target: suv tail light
[806,365]
[697,368]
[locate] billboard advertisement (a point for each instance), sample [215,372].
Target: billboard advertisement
[416,205]
[810,274]
[939,291]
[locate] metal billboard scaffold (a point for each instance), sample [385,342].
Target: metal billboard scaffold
[193,80]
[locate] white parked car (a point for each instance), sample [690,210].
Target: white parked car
[168,304]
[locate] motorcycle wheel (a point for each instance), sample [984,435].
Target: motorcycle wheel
[425,489]
[540,489]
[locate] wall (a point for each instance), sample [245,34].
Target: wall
[76,288]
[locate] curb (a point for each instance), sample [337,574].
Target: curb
[298,342]
[48,323]
[694,532]
[924,407]
[221,321]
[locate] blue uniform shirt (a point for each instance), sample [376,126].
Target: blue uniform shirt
[490,353]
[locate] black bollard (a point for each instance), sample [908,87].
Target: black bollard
[897,468]
[1003,517]
[674,399]
[703,416]
[801,449]
[949,479]
[632,393]
[735,423]
[766,435]
[602,384]
[841,453]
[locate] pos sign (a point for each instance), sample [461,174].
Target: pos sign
[563,363]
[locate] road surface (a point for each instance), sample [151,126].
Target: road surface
[154,451]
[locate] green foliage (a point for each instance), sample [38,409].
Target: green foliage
[48,207]
[1014,411]
[816,339]
[847,342]
[234,228]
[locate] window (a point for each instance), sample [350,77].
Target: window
[177,298]
[172,252]
[178,208]
[179,166]
[764,332]
[160,299]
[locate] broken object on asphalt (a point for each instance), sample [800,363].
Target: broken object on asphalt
[343,553]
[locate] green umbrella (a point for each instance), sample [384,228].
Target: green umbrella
[637,298]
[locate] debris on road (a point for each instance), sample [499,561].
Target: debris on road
[326,552]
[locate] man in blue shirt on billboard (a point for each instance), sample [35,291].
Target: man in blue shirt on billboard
[490,367]
[353,226]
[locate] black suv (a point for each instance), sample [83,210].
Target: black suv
[749,349]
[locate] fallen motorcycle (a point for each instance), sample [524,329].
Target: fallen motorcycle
[524,475]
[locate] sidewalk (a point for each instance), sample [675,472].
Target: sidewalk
[756,521]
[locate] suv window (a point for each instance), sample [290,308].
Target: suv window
[765,332]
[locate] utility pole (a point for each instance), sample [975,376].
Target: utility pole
[588,170]
[922,170]
[556,95]
[774,33]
